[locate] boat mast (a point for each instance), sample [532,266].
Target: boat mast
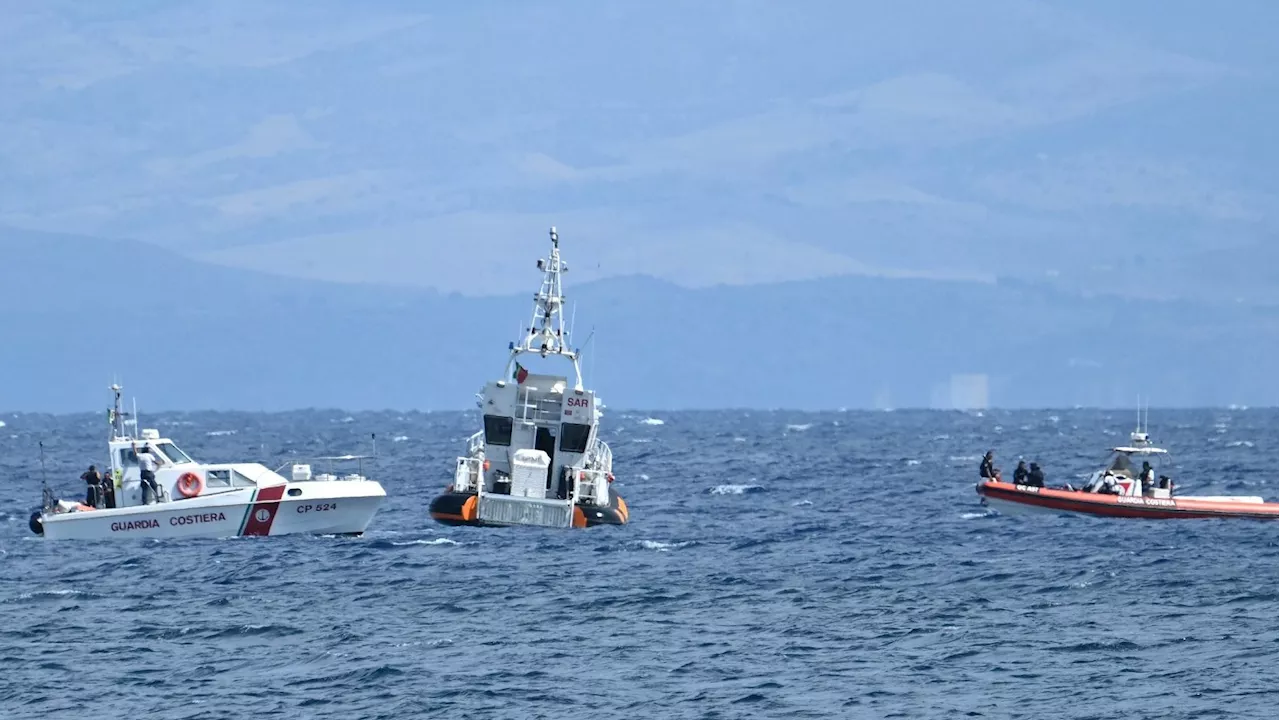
[546,333]
[1139,436]
[117,414]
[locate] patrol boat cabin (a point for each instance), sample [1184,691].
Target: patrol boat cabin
[1131,470]
[539,459]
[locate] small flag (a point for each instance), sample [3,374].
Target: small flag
[520,374]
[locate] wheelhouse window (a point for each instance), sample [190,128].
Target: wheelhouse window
[497,430]
[1122,464]
[226,478]
[574,437]
[171,451]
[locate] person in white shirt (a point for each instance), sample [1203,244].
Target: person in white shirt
[147,464]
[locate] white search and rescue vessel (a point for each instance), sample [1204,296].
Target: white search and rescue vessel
[203,500]
[539,459]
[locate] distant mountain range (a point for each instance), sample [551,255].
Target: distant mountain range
[1127,148]
[77,312]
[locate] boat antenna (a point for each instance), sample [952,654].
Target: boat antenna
[573,321]
[137,429]
[591,338]
[45,495]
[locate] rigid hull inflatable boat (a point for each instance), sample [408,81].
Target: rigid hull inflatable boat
[1121,489]
[539,459]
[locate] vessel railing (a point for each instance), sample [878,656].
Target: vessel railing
[601,455]
[590,487]
[328,471]
[468,476]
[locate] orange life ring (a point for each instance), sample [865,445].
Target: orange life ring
[190,485]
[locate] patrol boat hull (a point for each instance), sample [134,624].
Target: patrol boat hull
[456,508]
[1018,499]
[343,507]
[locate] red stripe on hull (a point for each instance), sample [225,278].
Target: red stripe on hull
[263,513]
[1111,506]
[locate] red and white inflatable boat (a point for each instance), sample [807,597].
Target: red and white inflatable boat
[1120,490]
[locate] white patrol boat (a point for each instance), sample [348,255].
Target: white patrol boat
[205,500]
[539,459]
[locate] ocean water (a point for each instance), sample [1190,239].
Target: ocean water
[797,565]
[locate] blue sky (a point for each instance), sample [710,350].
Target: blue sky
[1090,144]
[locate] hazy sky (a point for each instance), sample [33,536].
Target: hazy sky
[703,143]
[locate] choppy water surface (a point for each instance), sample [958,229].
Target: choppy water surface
[777,565]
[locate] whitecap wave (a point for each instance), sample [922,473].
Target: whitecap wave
[735,489]
[220,433]
[799,428]
[663,547]
[652,421]
[437,541]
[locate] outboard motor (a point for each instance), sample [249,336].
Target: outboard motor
[35,524]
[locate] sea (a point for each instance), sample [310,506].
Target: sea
[777,565]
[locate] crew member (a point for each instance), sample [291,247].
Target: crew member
[1036,476]
[147,464]
[1020,473]
[109,487]
[988,470]
[93,491]
[1147,477]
